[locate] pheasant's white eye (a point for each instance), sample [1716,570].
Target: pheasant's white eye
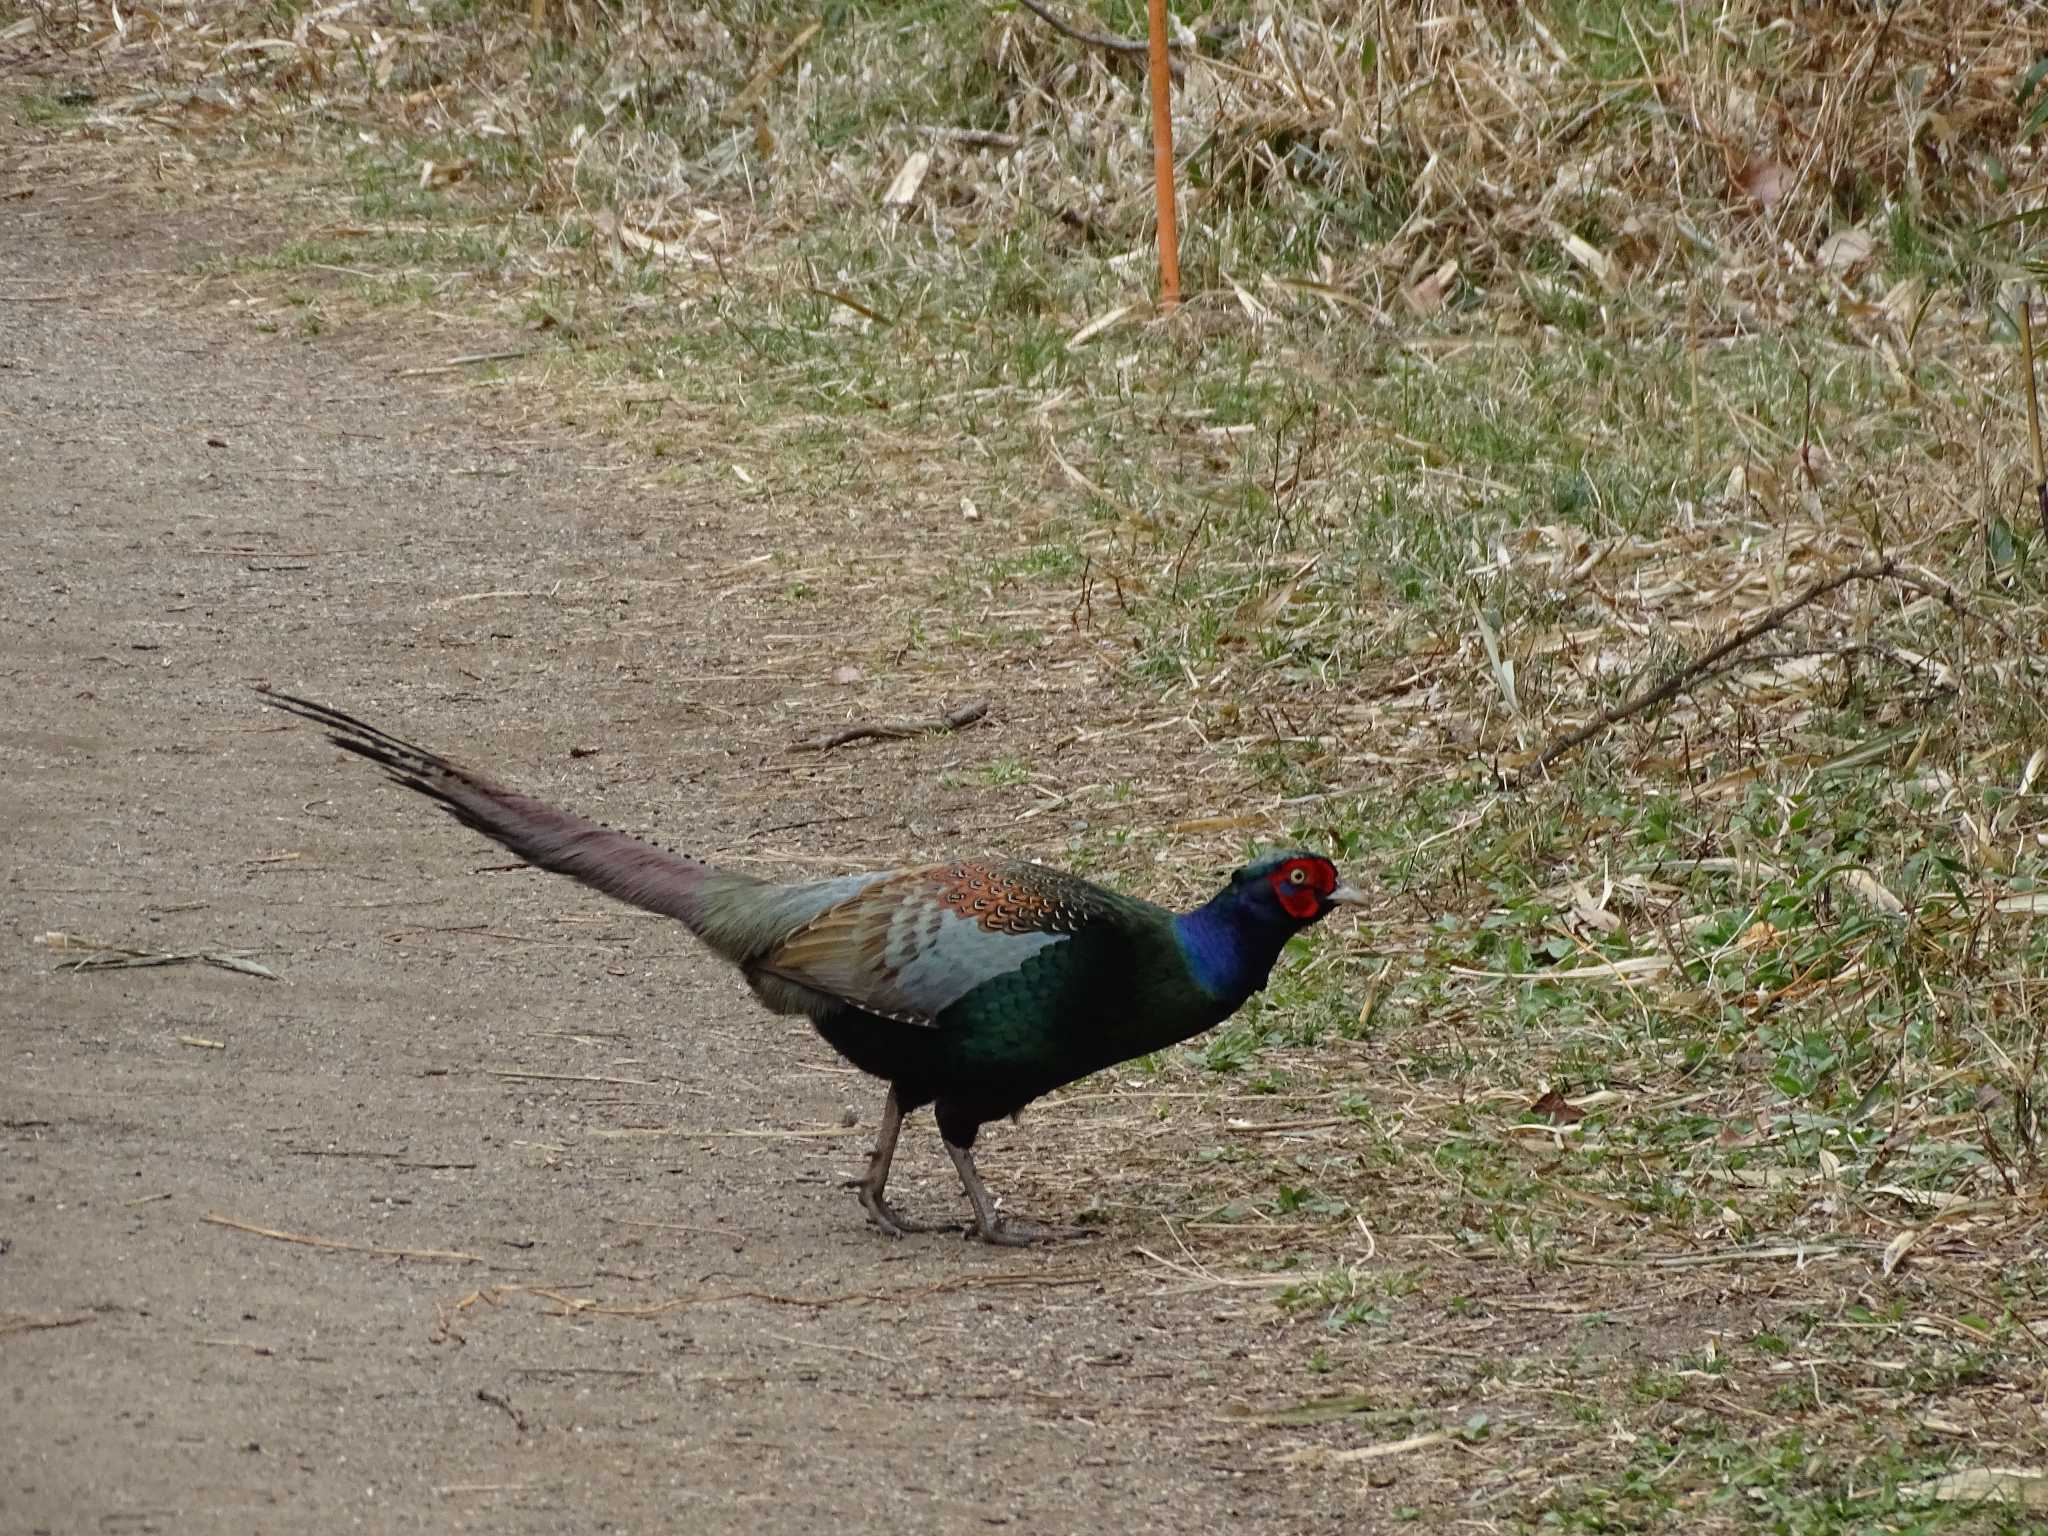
[1297,875]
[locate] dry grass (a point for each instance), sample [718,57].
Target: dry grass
[1528,354]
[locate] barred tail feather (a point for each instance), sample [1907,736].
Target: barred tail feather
[621,866]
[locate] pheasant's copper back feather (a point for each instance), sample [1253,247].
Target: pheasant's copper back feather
[1016,897]
[910,945]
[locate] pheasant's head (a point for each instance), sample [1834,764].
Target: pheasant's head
[1232,940]
[1291,889]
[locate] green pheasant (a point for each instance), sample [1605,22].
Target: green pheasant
[972,987]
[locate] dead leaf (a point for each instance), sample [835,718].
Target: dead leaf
[1847,248]
[434,174]
[1589,911]
[1557,1109]
[1427,296]
[1764,182]
[847,676]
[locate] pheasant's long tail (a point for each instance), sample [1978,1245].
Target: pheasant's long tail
[613,862]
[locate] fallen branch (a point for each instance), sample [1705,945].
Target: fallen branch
[1692,672]
[893,730]
[1129,47]
[432,1255]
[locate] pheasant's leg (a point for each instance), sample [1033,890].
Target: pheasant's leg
[870,1185]
[992,1226]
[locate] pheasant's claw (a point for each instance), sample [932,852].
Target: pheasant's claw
[1023,1234]
[990,1225]
[879,1210]
[890,1221]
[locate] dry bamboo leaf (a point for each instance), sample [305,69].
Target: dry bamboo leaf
[1896,1250]
[1871,891]
[2033,903]
[648,245]
[1587,255]
[1099,324]
[2025,1486]
[1616,972]
[903,190]
[1323,1456]
[1220,823]
[1591,912]
[1259,314]
[1934,1199]
[1502,667]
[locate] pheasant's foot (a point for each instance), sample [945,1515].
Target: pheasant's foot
[880,1212]
[871,1184]
[892,1222]
[1005,1233]
[990,1225]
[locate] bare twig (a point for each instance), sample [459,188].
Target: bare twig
[974,138]
[892,730]
[30,1322]
[2033,409]
[1692,672]
[500,1401]
[572,1077]
[457,364]
[581,1306]
[433,1255]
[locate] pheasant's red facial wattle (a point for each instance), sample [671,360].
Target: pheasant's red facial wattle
[1300,885]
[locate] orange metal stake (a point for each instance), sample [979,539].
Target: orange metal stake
[1162,161]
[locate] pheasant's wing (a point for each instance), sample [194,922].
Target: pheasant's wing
[910,946]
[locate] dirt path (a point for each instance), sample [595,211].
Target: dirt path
[194,507]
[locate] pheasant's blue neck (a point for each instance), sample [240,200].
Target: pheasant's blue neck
[1229,950]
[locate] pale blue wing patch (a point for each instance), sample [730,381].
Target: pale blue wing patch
[895,950]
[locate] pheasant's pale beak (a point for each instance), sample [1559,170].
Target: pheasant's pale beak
[1346,896]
